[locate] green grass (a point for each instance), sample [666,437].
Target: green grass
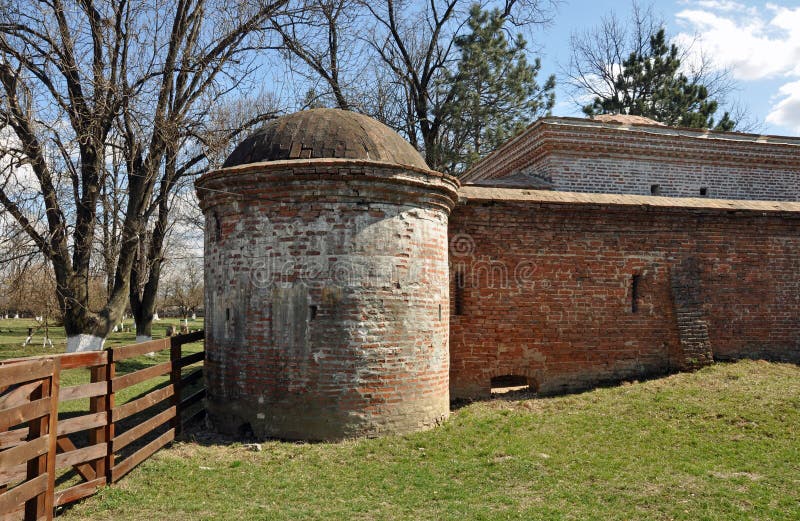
[722,443]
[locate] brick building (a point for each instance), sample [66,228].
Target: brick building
[634,155]
[352,291]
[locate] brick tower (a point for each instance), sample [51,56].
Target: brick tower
[326,279]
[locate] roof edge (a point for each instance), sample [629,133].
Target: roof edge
[477,193]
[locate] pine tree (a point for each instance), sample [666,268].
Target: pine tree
[650,84]
[492,94]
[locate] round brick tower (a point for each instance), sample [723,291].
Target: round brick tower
[326,282]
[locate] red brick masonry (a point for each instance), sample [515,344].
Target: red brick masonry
[574,290]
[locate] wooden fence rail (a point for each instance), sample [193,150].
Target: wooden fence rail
[115,437]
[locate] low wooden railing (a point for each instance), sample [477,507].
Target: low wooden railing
[98,446]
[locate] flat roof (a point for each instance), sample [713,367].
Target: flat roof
[480,193]
[783,148]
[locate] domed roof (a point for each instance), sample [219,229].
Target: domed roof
[325,133]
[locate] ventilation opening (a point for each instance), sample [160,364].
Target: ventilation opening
[704,192]
[458,304]
[655,189]
[217,230]
[312,312]
[510,383]
[635,282]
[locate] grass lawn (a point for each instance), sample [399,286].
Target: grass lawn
[721,443]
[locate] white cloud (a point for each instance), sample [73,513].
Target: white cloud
[786,112]
[720,5]
[755,45]
[754,41]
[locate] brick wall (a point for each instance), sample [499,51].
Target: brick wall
[547,286]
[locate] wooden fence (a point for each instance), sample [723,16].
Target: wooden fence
[52,456]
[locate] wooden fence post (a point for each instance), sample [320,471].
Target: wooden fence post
[41,506]
[110,372]
[52,429]
[176,380]
[97,404]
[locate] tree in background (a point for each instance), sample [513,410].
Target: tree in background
[651,85]
[631,69]
[398,62]
[417,49]
[183,289]
[494,91]
[78,77]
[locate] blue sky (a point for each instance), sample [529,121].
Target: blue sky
[759,42]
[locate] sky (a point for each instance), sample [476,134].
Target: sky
[758,41]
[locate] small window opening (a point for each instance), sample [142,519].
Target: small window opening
[440,311]
[655,189]
[508,383]
[227,314]
[312,312]
[704,192]
[458,305]
[635,281]
[217,230]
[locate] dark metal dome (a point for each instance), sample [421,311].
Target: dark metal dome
[325,133]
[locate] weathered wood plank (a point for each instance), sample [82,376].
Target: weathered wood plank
[97,406]
[10,474]
[81,423]
[18,396]
[140,404]
[46,507]
[85,359]
[82,455]
[24,452]
[192,359]
[27,371]
[133,434]
[140,455]
[189,337]
[66,426]
[80,491]
[142,375]
[85,470]
[80,360]
[13,498]
[13,437]
[134,350]
[24,413]
[76,392]
[177,383]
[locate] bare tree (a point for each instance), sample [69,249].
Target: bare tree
[183,290]
[72,70]
[210,132]
[597,56]
[417,46]
[323,36]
